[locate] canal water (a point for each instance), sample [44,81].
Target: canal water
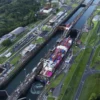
[33,91]
[37,87]
[28,68]
[79,25]
[76,14]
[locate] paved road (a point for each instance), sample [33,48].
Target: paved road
[57,90]
[84,77]
[88,71]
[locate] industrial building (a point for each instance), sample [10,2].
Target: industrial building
[17,31]
[28,49]
[13,33]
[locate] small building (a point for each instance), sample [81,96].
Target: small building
[17,31]
[8,55]
[96,18]
[11,34]
[28,49]
[47,11]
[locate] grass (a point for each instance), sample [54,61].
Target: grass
[54,82]
[74,5]
[92,85]
[77,69]
[32,25]
[96,56]
[78,57]
[2,49]
[93,31]
[71,88]
[83,39]
[13,71]
[51,98]
[2,59]
[39,40]
[75,49]
[76,74]
[15,60]
[57,80]
[70,92]
[68,78]
[94,35]
[98,67]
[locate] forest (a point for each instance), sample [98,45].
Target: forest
[15,13]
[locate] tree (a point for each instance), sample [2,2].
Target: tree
[46,28]
[15,13]
[93,96]
[6,42]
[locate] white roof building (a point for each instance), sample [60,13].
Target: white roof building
[14,32]
[47,11]
[17,30]
[8,55]
[28,49]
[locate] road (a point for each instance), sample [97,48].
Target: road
[57,89]
[88,71]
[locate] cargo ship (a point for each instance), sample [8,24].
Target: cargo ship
[51,64]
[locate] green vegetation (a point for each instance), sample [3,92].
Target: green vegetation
[2,49]
[79,66]
[39,40]
[2,59]
[83,38]
[46,28]
[69,77]
[94,37]
[71,90]
[91,88]
[51,98]
[96,57]
[15,13]
[53,84]
[74,5]
[75,49]
[93,32]
[18,37]
[93,96]
[6,42]
[56,81]
[93,40]
[16,59]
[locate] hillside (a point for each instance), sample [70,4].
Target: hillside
[14,13]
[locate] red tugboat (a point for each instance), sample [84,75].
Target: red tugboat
[51,64]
